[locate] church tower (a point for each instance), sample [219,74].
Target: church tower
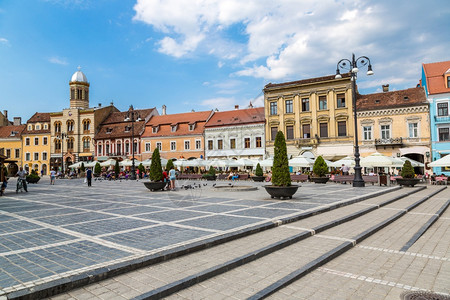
[79,90]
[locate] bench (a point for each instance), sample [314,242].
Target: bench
[370,179]
[343,178]
[243,177]
[299,178]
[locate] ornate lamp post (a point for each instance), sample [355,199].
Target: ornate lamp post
[61,137]
[132,116]
[352,66]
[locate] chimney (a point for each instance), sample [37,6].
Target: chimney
[5,113]
[385,88]
[236,106]
[164,109]
[17,121]
[99,105]
[251,105]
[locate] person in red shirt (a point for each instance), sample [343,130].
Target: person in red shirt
[165,177]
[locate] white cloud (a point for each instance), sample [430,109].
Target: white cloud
[58,61]
[294,39]
[221,103]
[4,41]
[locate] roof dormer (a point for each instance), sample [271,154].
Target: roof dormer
[447,78]
[155,129]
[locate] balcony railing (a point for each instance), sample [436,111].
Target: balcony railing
[442,119]
[389,142]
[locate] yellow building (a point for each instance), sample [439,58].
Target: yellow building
[36,143]
[11,142]
[395,124]
[314,114]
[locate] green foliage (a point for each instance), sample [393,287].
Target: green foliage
[82,168]
[211,173]
[156,173]
[320,167]
[33,175]
[97,169]
[141,168]
[258,170]
[280,168]
[117,168]
[170,164]
[407,170]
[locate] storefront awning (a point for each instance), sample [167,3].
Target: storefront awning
[87,154]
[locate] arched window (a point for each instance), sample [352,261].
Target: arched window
[119,148]
[127,148]
[57,145]
[86,144]
[57,127]
[86,125]
[70,125]
[70,144]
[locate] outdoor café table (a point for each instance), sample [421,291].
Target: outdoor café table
[441,180]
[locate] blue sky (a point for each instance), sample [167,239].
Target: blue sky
[206,54]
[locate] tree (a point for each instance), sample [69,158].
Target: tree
[280,168]
[141,170]
[156,173]
[320,167]
[258,170]
[82,168]
[97,169]
[408,170]
[117,168]
[170,164]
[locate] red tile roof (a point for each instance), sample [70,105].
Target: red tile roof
[434,74]
[119,117]
[39,117]
[403,98]
[237,117]
[12,131]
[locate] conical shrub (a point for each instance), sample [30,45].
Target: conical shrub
[280,168]
[156,173]
[408,170]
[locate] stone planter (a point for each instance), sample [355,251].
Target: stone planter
[258,178]
[210,178]
[281,192]
[322,180]
[155,185]
[30,179]
[407,181]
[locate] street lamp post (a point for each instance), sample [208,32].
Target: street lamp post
[61,137]
[352,66]
[132,116]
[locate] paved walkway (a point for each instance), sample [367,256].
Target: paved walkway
[59,233]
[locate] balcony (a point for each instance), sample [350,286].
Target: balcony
[306,142]
[389,142]
[442,119]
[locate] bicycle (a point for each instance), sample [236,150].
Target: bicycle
[20,185]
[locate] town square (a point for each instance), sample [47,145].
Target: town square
[224,150]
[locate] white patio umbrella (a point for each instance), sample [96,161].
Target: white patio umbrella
[441,162]
[347,161]
[108,163]
[301,161]
[217,163]
[128,162]
[76,165]
[379,160]
[268,162]
[414,163]
[233,163]
[245,162]
[179,162]
[147,162]
[90,164]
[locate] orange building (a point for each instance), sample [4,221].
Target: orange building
[176,135]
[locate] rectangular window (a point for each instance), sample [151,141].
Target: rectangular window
[187,145]
[305,104]
[385,132]
[8,153]
[210,144]
[340,100]
[322,102]
[135,147]
[342,128]
[258,142]
[290,132]
[367,133]
[306,130]
[154,129]
[273,108]
[442,109]
[27,142]
[413,130]
[174,128]
[191,127]
[273,133]
[444,134]
[173,146]
[44,155]
[232,143]
[247,143]
[17,153]
[289,107]
[36,141]
[148,147]
[100,149]
[220,144]
[159,146]
[36,156]
[44,140]
[198,144]
[323,129]
[27,156]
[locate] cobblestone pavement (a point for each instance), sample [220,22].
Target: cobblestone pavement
[56,232]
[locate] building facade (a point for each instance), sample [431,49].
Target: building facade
[239,133]
[395,124]
[176,135]
[11,143]
[113,139]
[73,129]
[436,82]
[314,114]
[36,143]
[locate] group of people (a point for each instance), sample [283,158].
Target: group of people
[169,178]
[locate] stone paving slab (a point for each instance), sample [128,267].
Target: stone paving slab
[71,209]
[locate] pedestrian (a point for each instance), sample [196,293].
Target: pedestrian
[22,176]
[89,176]
[52,176]
[172,177]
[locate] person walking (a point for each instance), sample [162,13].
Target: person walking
[89,176]
[52,176]
[22,176]
[172,177]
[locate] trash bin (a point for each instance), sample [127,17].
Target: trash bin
[383,179]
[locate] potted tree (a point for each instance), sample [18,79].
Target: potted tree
[259,175]
[320,169]
[97,170]
[170,164]
[281,178]
[117,169]
[407,175]
[211,175]
[156,175]
[82,170]
[33,177]
[141,169]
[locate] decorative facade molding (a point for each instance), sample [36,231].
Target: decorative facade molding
[394,111]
